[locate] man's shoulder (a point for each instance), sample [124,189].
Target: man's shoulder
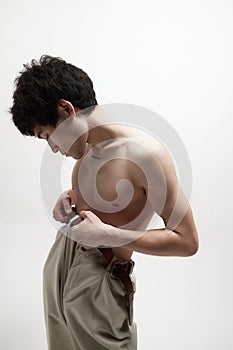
[151,161]
[146,147]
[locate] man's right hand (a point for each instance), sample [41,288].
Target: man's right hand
[62,211]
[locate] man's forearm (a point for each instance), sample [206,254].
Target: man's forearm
[162,242]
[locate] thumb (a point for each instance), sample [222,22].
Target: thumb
[67,206]
[83,214]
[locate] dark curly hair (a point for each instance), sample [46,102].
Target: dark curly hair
[41,85]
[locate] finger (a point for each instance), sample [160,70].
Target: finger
[85,246]
[91,216]
[84,214]
[61,218]
[76,221]
[87,214]
[67,206]
[59,214]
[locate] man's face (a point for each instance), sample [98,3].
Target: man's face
[69,136]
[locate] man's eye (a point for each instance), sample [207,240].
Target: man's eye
[44,137]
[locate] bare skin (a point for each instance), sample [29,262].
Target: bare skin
[108,176]
[178,238]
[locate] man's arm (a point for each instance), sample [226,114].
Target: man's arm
[162,242]
[152,170]
[159,181]
[179,237]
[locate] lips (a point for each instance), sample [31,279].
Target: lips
[64,154]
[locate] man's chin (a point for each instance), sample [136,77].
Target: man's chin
[72,156]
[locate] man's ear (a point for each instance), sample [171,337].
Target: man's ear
[65,109]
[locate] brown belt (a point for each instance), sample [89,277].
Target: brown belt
[122,271]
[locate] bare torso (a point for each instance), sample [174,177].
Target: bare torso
[96,175]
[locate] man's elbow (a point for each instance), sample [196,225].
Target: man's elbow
[192,247]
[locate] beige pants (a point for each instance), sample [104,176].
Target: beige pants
[85,307]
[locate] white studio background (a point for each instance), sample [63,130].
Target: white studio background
[174,57]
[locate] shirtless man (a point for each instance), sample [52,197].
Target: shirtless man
[87,304]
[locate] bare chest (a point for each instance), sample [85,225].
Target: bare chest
[103,185]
